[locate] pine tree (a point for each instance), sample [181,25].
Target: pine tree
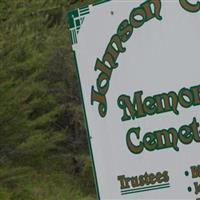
[41,121]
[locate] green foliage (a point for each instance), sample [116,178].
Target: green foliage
[43,144]
[4,194]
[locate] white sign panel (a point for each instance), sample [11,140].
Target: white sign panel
[139,68]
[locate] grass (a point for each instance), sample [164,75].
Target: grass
[44,186]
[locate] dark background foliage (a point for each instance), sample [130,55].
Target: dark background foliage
[43,144]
